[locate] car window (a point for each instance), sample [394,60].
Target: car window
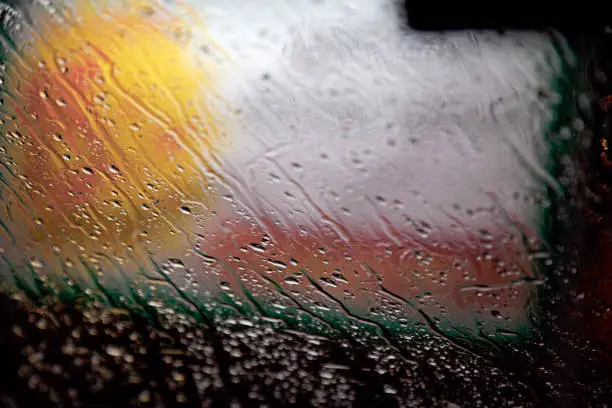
[274,203]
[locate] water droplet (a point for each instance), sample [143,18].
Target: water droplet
[113,351]
[339,277]
[328,282]
[144,397]
[176,263]
[209,260]
[36,263]
[290,280]
[278,264]
[257,247]
[389,390]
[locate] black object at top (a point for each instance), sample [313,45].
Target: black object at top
[434,15]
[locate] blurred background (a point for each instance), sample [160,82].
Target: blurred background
[302,203]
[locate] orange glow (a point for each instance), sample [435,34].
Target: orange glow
[108,122]
[461,280]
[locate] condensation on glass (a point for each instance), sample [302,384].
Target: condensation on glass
[305,168]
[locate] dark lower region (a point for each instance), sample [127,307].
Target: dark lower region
[86,356]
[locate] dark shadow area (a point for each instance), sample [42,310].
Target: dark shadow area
[437,15]
[76,355]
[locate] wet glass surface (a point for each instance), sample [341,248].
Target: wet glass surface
[239,203]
